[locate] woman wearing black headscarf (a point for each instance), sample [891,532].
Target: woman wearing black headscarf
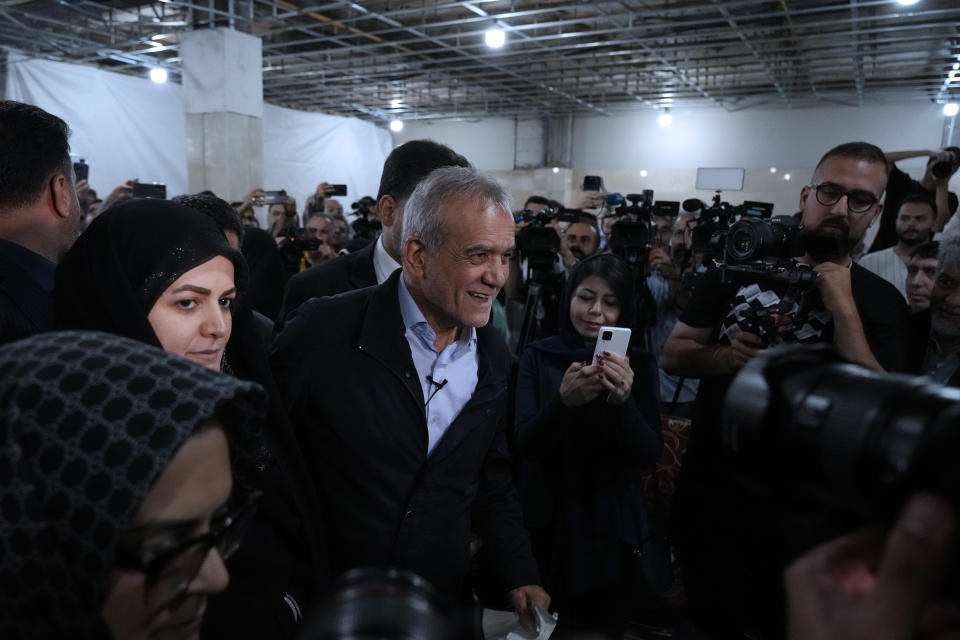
[585,431]
[164,274]
[109,520]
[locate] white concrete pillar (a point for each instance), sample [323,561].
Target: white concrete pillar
[223,97]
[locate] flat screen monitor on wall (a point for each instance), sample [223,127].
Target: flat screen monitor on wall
[720,178]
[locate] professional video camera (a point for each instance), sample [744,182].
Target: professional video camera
[710,234]
[363,226]
[539,244]
[292,246]
[837,445]
[630,237]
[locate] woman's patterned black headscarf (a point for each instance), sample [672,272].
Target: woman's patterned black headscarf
[88,421]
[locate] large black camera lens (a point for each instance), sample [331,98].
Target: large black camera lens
[757,239]
[942,169]
[801,419]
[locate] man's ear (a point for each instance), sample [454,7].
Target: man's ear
[804,194]
[878,212]
[414,256]
[61,195]
[388,209]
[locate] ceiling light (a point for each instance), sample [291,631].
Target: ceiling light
[643,173]
[907,3]
[956,66]
[495,38]
[786,176]
[396,126]
[665,120]
[158,75]
[950,109]
[395,103]
[773,169]
[556,169]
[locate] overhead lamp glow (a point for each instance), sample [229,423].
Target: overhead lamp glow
[907,3]
[665,120]
[773,169]
[158,75]
[556,169]
[950,109]
[494,38]
[643,173]
[396,126]
[956,66]
[395,103]
[786,177]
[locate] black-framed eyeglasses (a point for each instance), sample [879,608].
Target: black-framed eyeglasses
[858,200]
[169,572]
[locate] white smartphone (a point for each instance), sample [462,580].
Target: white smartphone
[614,340]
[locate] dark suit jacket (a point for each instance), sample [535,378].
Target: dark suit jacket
[354,396]
[342,274]
[917,339]
[25,308]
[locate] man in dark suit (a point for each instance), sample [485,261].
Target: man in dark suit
[399,396]
[40,215]
[406,166]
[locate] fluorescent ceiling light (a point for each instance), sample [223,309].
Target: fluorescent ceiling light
[158,75]
[665,120]
[396,126]
[786,176]
[495,38]
[907,3]
[951,109]
[773,169]
[395,103]
[643,173]
[556,169]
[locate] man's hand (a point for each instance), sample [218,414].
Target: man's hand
[322,253]
[523,599]
[835,289]
[324,190]
[851,589]
[744,348]
[119,194]
[940,156]
[581,383]
[589,199]
[253,199]
[659,261]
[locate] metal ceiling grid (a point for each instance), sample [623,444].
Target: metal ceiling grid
[405,59]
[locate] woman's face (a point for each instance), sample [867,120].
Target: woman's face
[190,493]
[594,305]
[192,317]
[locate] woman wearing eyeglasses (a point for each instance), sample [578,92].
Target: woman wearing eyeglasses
[117,499]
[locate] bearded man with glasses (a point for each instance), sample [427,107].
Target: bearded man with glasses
[733,576]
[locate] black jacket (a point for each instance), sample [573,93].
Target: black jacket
[25,308]
[345,273]
[355,400]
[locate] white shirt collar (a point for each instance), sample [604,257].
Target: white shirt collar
[383,263]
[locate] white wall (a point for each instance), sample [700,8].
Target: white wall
[487,144]
[618,147]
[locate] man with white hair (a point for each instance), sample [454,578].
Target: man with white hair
[399,393]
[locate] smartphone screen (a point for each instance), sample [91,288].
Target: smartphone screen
[150,190]
[592,183]
[82,170]
[275,197]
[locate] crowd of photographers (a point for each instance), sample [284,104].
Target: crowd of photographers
[556,464]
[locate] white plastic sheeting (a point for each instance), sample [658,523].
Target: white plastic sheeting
[127,127]
[302,149]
